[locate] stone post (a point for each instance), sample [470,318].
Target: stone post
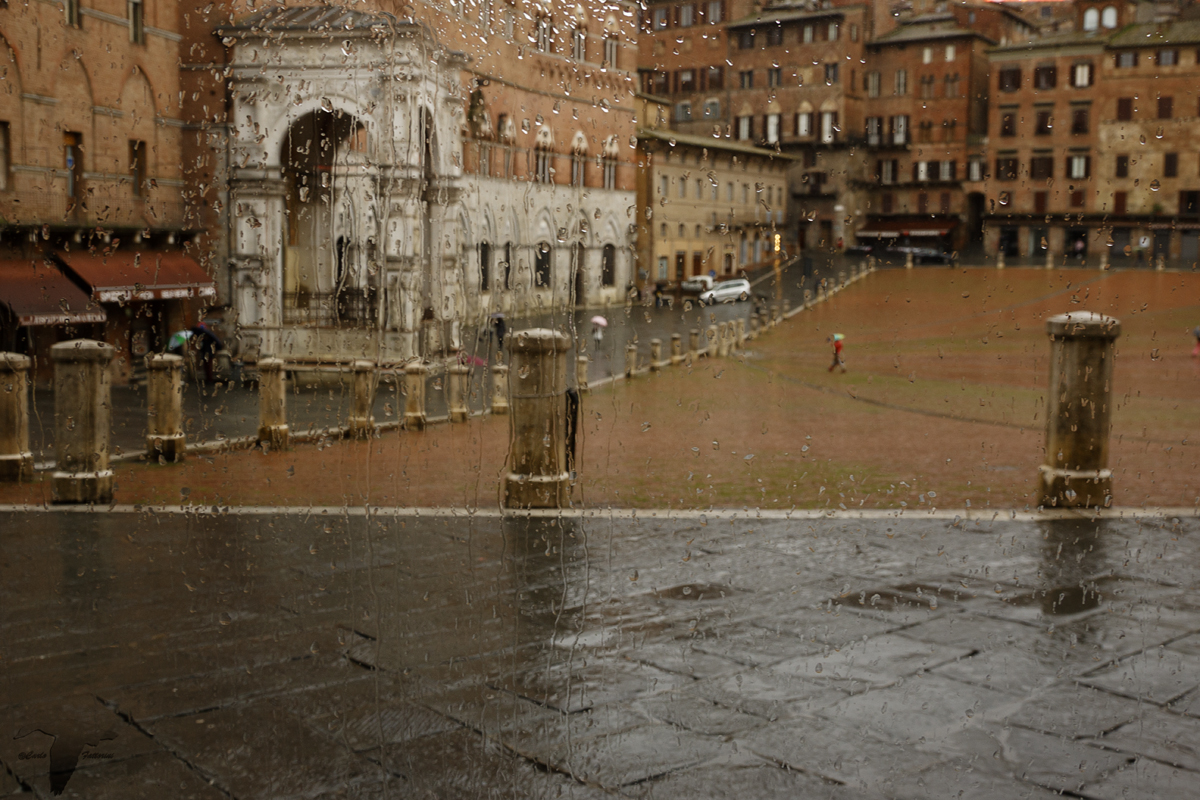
[1103,258]
[458,376]
[808,296]
[656,354]
[710,341]
[741,334]
[630,359]
[787,307]
[82,421]
[754,325]
[164,405]
[500,387]
[361,423]
[414,390]
[723,337]
[581,373]
[272,403]
[776,314]
[693,344]
[1160,262]
[841,279]
[871,263]
[1000,259]
[1078,410]
[16,459]
[908,260]
[676,349]
[538,476]
[1049,258]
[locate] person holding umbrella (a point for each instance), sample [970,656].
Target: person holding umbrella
[838,360]
[599,323]
[500,326]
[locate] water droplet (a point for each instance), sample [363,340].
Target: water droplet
[224,618]
[1155,185]
[820,668]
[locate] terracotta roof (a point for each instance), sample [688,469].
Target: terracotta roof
[711,142]
[330,19]
[1154,34]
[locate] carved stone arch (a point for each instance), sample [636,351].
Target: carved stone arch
[278,129]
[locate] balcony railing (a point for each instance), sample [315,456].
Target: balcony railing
[349,308]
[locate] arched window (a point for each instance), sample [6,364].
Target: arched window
[608,266]
[544,35]
[1109,18]
[541,265]
[485,267]
[1091,19]
[611,47]
[508,253]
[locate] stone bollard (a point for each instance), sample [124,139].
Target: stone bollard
[272,403]
[223,366]
[1078,410]
[787,307]
[1000,260]
[871,263]
[581,373]
[164,404]
[538,476]
[908,260]
[1049,258]
[776,314]
[693,344]
[723,339]
[676,349]
[361,423]
[16,459]
[457,378]
[82,421]
[741,334]
[500,387]
[841,279]
[710,341]
[1160,263]
[808,297]
[655,354]
[630,359]
[754,325]
[414,391]
[1104,258]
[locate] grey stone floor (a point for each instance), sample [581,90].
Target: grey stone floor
[321,655]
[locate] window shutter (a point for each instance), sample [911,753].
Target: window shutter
[914,171]
[1087,166]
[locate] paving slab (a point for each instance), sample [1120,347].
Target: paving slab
[1144,778]
[633,755]
[699,715]
[1170,738]
[766,694]
[1054,762]
[1158,675]
[151,775]
[1076,711]
[757,781]
[878,661]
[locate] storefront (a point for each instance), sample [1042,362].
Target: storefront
[147,296]
[934,234]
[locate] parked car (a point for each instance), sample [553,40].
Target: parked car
[860,250]
[727,292]
[922,255]
[697,284]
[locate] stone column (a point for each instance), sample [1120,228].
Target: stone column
[414,389]
[741,334]
[655,354]
[581,373]
[500,388]
[630,359]
[16,459]
[1000,259]
[362,400]
[676,349]
[82,421]
[538,476]
[1049,258]
[272,403]
[458,375]
[1078,410]
[165,439]
[693,344]
[710,343]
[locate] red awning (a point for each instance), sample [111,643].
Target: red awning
[39,294]
[894,229]
[140,275]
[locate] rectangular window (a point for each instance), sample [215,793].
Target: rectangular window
[1041,168]
[1166,107]
[687,15]
[683,112]
[828,126]
[921,171]
[1008,123]
[951,85]
[687,81]
[872,81]
[950,53]
[541,161]
[1010,79]
[746,79]
[831,32]
[1081,76]
[579,44]
[714,16]
[608,265]
[1124,109]
[542,29]
[831,74]
[927,55]
[901,83]
[5,156]
[772,128]
[1120,202]
[610,173]
[1080,120]
[804,124]
[874,131]
[887,171]
[975,169]
[1078,167]
[1006,168]
[541,265]
[1122,170]
[1045,78]
[716,78]
[664,185]
[611,50]
[137,166]
[1189,202]
[682,188]
[947,170]
[745,128]
[1167,58]
[712,109]
[485,266]
[1043,124]
[1171,165]
[746,39]
[807,34]
[886,203]
[1039,202]
[922,203]
[137,22]
[774,36]
[774,77]
[71,10]
[577,169]
[661,18]
[1126,60]
[944,203]
[1076,199]
[900,129]
[73,164]
[928,83]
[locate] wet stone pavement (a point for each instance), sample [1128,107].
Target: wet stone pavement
[322,654]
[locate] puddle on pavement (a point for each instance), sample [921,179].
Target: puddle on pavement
[695,591]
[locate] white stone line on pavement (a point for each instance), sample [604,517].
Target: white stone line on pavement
[965,514]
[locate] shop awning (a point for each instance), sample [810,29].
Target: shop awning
[39,294]
[894,229]
[140,275]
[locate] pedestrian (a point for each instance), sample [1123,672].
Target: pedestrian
[838,359]
[597,336]
[1196,349]
[500,327]
[209,344]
